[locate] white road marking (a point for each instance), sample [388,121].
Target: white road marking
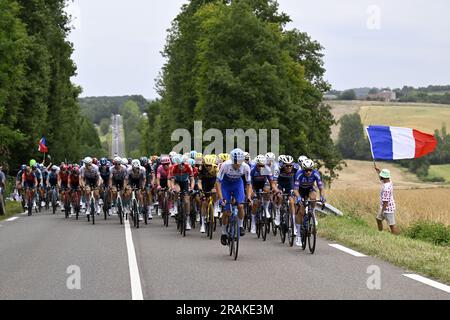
[136,289]
[12,219]
[347,250]
[429,282]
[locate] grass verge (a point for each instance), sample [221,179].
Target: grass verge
[413,255]
[12,208]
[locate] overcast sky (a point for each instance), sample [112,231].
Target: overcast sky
[367,43]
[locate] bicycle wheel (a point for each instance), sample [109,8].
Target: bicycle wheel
[231,239]
[136,215]
[93,212]
[54,201]
[274,226]
[2,207]
[283,227]
[145,213]
[30,207]
[290,230]
[120,212]
[237,235]
[312,234]
[258,222]
[264,227]
[165,212]
[211,221]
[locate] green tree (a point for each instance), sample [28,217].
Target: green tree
[231,64]
[348,95]
[352,141]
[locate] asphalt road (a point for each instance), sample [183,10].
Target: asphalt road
[37,251]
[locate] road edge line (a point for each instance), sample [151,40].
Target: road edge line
[429,282]
[347,250]
[135,279]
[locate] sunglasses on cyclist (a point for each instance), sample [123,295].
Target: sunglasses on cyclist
[309,170]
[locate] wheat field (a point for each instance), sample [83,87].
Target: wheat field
[412,205]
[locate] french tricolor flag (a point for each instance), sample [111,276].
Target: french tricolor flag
[43,145]
[393,143]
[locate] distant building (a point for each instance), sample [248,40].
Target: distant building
[385,95]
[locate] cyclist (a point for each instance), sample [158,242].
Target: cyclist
[304,189]
[38,195]
[181,180]
[118,177]
[149,184]
[206,184]
[44,185]
[162,174]
[74,181]
[223,157]
[29,181]
[63,182]
[19,177]
[229,182]
[105,173]
[53,181]
[136,180]
[288,170]
[262,179]
[90,180]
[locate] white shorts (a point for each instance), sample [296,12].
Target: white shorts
[389,217]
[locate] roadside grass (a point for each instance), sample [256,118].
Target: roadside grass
[414,255]
[440,171]
[12,208]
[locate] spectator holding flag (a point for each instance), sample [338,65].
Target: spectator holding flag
[387,202]
[394,143]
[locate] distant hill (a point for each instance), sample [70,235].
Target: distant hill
[98,108]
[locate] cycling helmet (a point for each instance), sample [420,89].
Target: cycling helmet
[88,161]
[70,167]
[135,164]
[191,162]
[271,157]
[308,164]
[95,161]
[247,156]
[32,162]
[165,161]
[117,160]
[237,156]
[76,171]
[286,160]
[211,160]
[199,158]
[261,160]
[64,168]
[172,154]
[103,161]
[130,161]
[224,157]
[144,161]
[23,167]
[193,154]
[34,167]
[124,161]
[176,159]
[184,159]
[302,158]
[54,168]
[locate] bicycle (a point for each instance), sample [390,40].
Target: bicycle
[106,201]
[211,221]
[309,228]
[163,202]
[76,196]
[119,206]
[286,222]
[262,222]
[135,209]
[194,208]
[66,201]
[2,204]
[181,217]
[30,196]
[53,195]
[92,205]
[233,230]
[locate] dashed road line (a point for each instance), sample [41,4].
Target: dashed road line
[347,250]
[12,219]
[429,282]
